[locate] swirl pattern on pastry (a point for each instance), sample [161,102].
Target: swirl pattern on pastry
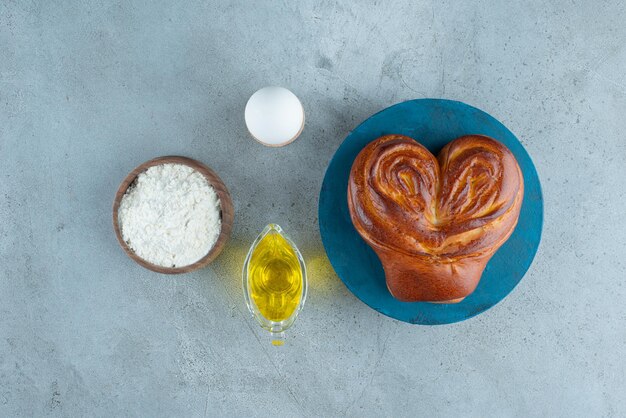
[434,222]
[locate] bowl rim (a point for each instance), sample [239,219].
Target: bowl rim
[226,212]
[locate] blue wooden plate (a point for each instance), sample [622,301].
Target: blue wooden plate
[434,123]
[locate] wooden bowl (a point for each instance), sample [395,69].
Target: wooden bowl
[226,204]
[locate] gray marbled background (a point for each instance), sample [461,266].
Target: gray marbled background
[88,90]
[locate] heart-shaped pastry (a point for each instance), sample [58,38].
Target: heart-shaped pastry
[435,223]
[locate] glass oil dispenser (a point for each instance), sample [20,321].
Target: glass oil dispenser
[274,281]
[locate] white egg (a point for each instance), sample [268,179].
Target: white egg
[274,116]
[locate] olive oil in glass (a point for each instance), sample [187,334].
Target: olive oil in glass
[274,281]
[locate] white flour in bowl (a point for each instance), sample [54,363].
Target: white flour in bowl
[170,216]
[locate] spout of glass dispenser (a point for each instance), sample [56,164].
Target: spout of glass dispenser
[278,336]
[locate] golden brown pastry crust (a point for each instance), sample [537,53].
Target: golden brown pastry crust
[435,223]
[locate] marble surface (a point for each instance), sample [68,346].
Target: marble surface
[88,90]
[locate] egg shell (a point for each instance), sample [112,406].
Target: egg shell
[274,116]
